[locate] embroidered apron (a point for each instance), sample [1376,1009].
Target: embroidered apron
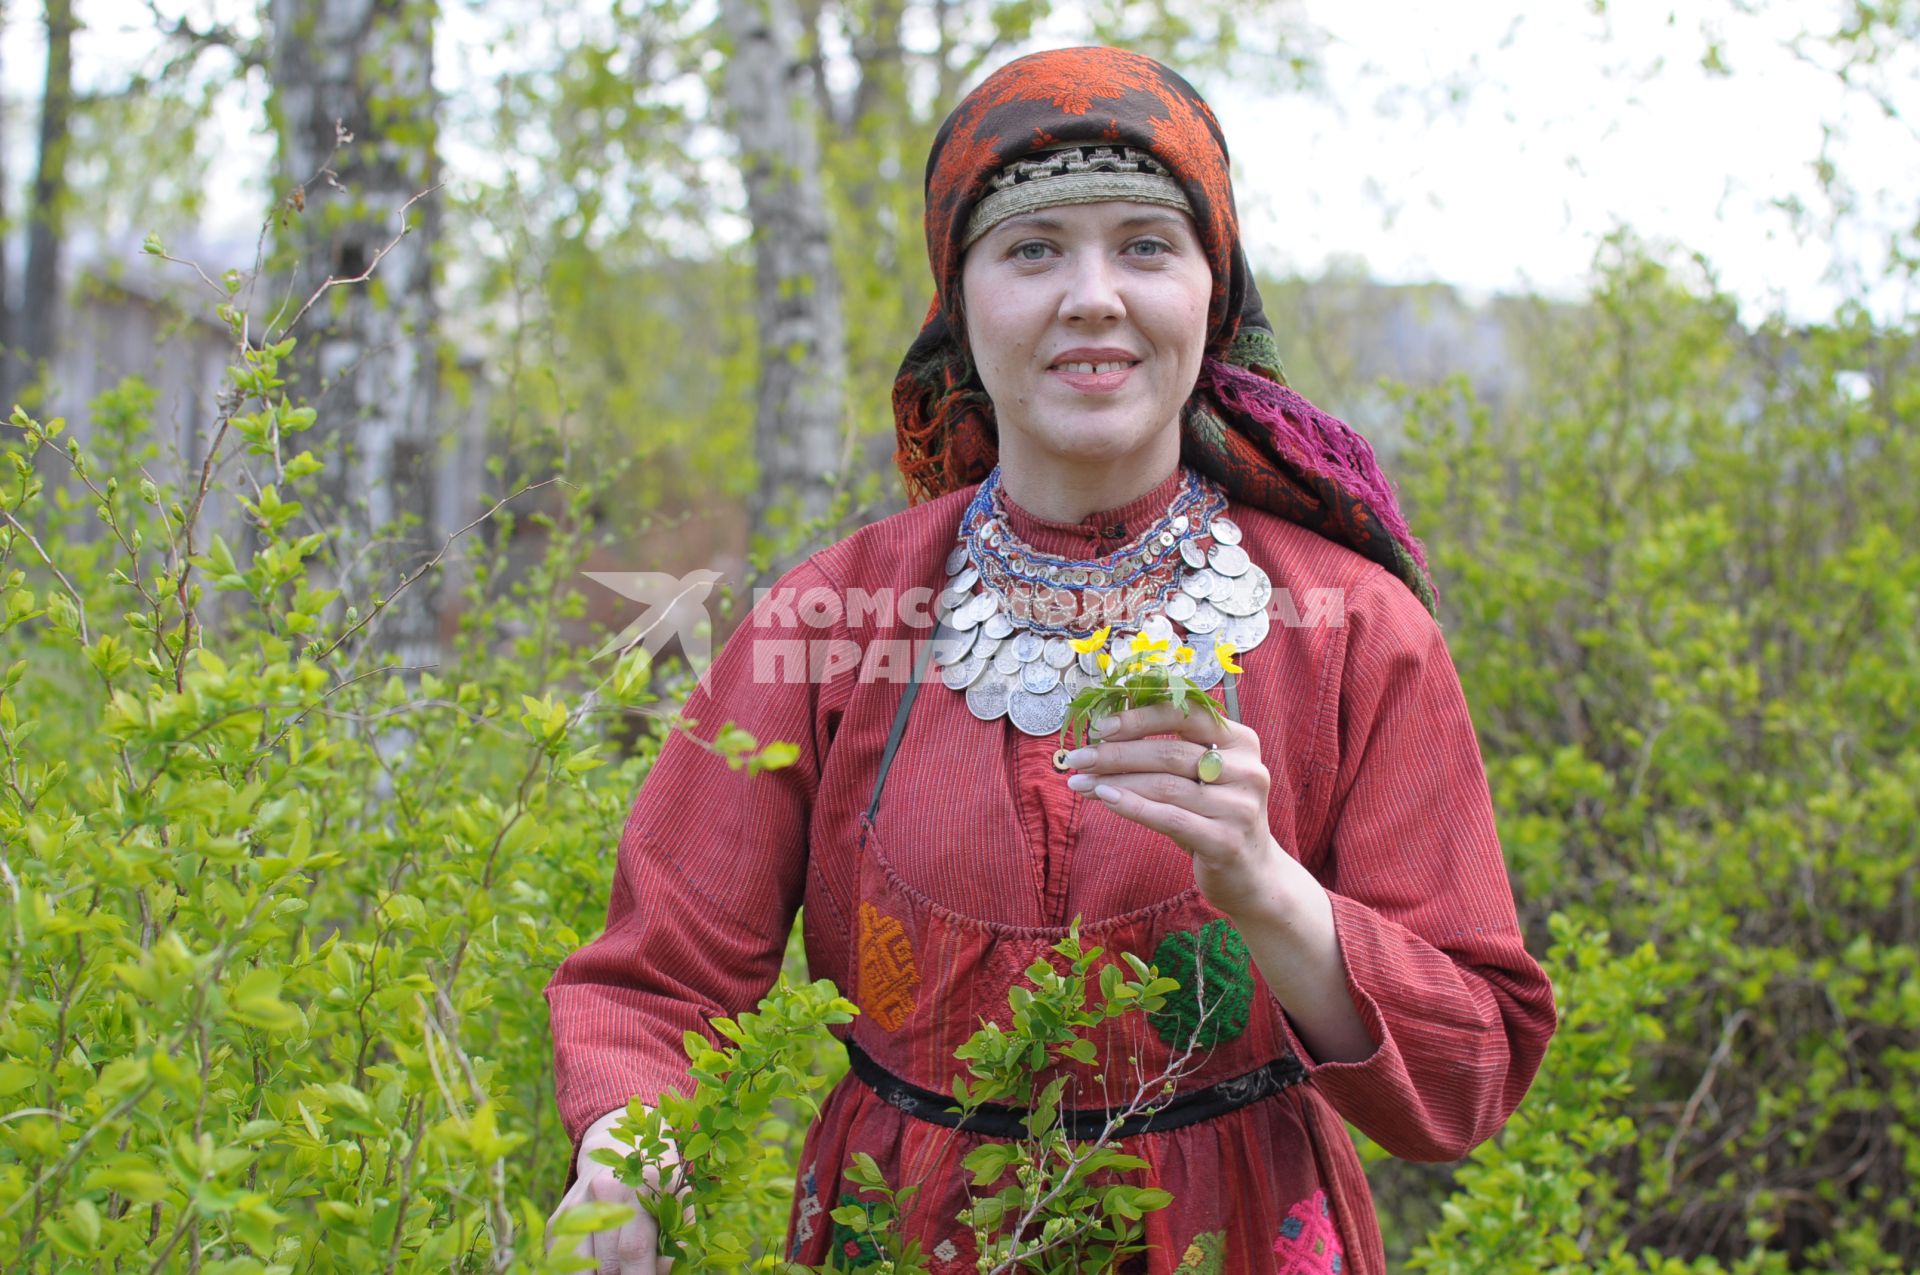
[1231,1146]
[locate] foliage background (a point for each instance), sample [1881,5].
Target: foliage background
[278,913]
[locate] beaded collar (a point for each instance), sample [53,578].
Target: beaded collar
[1008,609]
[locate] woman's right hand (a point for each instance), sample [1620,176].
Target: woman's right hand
[632,1247]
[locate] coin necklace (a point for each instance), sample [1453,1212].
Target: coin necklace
[1008,611]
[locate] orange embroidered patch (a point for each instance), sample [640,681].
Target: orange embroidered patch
[888,976]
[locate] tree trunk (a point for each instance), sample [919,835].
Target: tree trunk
[39,316]
[803,355]
[366,359]
[6,294]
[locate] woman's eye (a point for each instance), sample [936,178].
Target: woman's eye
[1161,244]
[1020,250]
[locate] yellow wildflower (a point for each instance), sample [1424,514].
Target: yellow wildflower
[1092,642]
[1142,643]
[1106,661]
[1225,651]
[1184,655]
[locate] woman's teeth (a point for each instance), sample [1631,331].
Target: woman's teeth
[1091,367]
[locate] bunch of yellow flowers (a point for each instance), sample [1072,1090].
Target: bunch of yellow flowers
[1145,676]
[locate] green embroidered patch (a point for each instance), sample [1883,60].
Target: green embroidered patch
[1207,1254]
[1210,964]
[849,1249]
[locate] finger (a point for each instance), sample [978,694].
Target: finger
[567,1201]
[1190,721]
[1189,829]
[1219,801]
[627,1249]
[1144,756]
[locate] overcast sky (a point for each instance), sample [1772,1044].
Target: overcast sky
[1565,134]
[1572,123]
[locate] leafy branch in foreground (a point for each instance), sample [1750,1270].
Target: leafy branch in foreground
[700,1162]
[1059,1204]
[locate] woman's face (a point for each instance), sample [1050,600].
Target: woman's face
[1048,292]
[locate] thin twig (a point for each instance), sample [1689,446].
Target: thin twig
[78,603]
[364,275]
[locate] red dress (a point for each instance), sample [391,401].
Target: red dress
[978,856]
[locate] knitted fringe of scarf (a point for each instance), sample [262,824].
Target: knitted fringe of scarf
[1311,440]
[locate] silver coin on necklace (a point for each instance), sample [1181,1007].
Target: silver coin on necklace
[1205,618]
[1041,714]
[1006,659]
[1207,676]
[1225,530]
[998,625]
[1192,554]
[1247,631]
[962,673]
[951,645]
[1228,560]
[987,698]
[1039,677]
[957,558]
[1248,594]
[1058,652]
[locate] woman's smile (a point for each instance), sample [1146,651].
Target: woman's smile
[1094,371]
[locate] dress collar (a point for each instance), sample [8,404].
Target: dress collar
[1099,532]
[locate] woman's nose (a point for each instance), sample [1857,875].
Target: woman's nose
[1092,289]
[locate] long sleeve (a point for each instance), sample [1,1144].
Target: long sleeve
[710,870]
[1460,1014]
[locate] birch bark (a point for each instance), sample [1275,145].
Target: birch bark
[366,359]
[800,438]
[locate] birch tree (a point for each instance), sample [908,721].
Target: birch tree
[355,108]
[37,326]
[800,396]
[6,293]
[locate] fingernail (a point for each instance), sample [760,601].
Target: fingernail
[1080,783]
[1107,793]
[1080,757]
[1105,724]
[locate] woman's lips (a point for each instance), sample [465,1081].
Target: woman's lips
[1095,382]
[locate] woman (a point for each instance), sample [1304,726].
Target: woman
[1094,432]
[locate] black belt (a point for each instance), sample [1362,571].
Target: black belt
[1082,1125]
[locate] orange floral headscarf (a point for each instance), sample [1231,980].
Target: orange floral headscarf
[1242,426]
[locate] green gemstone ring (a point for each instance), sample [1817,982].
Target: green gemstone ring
[1210,765]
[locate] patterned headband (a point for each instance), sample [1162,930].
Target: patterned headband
[1073,175]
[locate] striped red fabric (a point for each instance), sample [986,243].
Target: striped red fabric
[1378,787]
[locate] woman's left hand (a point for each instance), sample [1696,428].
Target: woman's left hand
[1284,915]
[1155,782]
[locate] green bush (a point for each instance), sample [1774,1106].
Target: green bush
[1683,611]
[277,917]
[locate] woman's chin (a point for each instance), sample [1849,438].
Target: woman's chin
[1090,453]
